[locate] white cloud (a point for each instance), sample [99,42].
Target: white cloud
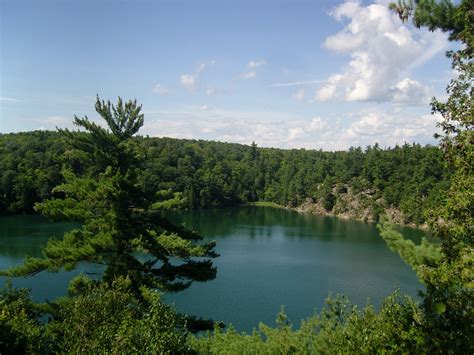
[252,72]
[211,91]
[299,95]
[160,89]
[256,63]
[382,51]
[189,81]
[55,120]
[51,122]
[288,130]
[249,75]
[329,89]
[9,99]
[391,127]
[409,91]
[317,124]
[297,83]
[295,133]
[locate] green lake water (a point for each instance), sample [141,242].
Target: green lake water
[268,257]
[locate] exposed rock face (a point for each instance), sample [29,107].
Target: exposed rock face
[363,206]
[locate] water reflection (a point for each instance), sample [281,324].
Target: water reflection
[262,222]
[22,236]
[268,257]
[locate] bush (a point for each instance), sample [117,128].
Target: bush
[97,318]
[94,318]
[341,328]
[20,330]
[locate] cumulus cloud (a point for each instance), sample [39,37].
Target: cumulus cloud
[189,81]
[160,89]
[409,91]
[288,130]
[295,133]
[391,127]
[317,124]
[382,51]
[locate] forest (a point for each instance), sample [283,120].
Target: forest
[114,184]
[203,174]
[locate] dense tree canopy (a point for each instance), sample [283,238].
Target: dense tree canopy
[447,269]
[118,229]
[92,318]
[107,172]
[201,174]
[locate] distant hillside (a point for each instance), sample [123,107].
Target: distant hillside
[178,173]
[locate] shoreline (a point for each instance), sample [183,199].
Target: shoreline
[306,208]
[311,208]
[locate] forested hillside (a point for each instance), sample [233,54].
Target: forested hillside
[112,182]
[404,181]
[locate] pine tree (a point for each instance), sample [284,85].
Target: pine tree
[447,270]
[456,19]
[118,228]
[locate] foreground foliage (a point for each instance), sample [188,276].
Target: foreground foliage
[339,328]
[97,317]
[94,318]
[118,229]
[444,321]
[121,315]
[447,270]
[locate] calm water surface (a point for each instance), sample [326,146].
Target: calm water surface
[268,258]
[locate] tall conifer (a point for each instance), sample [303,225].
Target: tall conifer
[118,229]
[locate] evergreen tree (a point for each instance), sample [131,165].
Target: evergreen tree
[118,229]
[456,19]
[448,270]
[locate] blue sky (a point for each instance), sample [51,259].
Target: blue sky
[292,74]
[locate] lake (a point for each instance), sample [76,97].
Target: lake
[268,257]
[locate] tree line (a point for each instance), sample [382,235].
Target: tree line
[196,174]
[123,313]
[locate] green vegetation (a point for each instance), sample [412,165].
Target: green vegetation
[93,318]
[339,328]
[139,248]
[265,204]
[448,270]
[114,211]
[123,314]
[199,174]
[444,321]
